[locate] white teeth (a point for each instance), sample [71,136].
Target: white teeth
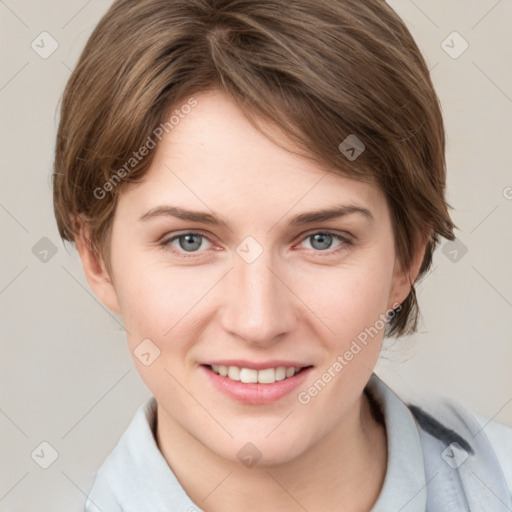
[251,376]
[267,376]
[280,373]
[248,376]
[234,372]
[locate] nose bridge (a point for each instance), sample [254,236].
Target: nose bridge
[257,307]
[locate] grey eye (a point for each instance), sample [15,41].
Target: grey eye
[321,241]
[189,242]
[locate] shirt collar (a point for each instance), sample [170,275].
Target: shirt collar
[136,476]
[405,486]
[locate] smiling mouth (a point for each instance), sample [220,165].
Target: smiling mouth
[252,376]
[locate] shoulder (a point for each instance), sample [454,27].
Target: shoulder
[135,476]
[450,421]
[115,482]
[500,438]
[462,463]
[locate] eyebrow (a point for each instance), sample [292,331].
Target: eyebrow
[298,220]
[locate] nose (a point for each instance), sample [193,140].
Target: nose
[258,306]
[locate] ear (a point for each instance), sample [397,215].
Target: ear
[403,279]
[95,272]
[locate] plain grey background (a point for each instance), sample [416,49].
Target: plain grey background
[67,378]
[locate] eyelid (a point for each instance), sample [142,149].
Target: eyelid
[346,239]
[345,235]
[168,238]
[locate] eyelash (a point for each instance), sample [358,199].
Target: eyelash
[166,244]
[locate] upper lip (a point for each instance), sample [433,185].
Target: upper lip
[241,363]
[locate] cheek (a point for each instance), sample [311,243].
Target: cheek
[349,299]
[157,301]
[353,304]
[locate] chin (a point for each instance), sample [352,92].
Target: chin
[258,451]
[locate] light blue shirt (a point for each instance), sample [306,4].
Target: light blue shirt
[135,477]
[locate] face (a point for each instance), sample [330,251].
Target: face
[251,282]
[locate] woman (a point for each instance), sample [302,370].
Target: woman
[255,187]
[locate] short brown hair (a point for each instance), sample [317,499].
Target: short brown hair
[321,70]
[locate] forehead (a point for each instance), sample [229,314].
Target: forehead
[214,158]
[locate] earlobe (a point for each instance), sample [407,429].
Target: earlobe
[97,276]
[403,279]
[401,286]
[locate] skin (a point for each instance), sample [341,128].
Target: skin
[295,301]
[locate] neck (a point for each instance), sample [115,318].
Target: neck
[327,474]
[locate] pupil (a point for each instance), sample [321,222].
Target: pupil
[324,239]
[190,243]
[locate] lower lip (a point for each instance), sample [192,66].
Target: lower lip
[254,393]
